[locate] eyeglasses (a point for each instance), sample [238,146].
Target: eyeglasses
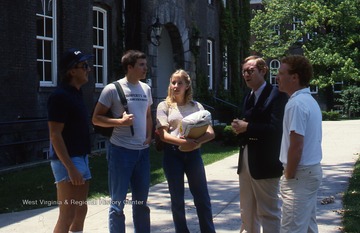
[85,66]
[249,72]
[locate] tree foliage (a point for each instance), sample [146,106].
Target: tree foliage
[327,33]
[350,98]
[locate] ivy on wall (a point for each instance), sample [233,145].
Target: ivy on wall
[235,36]
[195,33]
[201,90]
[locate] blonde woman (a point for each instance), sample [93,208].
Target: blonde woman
[179,104]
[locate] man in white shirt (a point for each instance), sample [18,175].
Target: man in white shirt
[300,151]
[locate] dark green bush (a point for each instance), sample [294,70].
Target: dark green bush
[226,135]
[350,98]
[219,132]
[229,137]
[330,116]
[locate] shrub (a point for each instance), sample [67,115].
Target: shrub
[330,116]
[229,137]
[350,98]
[219,132]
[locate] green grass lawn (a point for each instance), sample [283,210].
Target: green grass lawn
[351,201]
[34,187]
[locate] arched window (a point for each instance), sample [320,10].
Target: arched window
[274,67]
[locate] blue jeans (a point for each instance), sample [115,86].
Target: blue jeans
[176,164]
[128,167]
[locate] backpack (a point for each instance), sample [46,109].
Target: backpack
[107,131]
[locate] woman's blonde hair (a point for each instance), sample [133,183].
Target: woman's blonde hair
[170,99]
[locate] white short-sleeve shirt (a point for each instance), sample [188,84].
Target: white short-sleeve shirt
[171,116]
[303,116]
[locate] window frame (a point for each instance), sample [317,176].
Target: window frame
[297,21]
[274,66]
[210,63]
[100,12]
[277,32]
[310,36]
[225,68]
[53,40]
[337,87]
[313,89]
[277,29]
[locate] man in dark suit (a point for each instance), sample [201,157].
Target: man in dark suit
[260,131]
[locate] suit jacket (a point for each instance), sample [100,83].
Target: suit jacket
[263,135]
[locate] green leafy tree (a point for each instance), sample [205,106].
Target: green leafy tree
[327,33]
[350,98]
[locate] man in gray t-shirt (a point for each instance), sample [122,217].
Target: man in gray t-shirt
[128,154]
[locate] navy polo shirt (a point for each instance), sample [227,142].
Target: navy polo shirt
[66,105]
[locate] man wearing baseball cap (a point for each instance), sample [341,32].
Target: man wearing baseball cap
[68,122]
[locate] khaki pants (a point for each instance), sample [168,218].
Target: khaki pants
[299,200]
[259,202]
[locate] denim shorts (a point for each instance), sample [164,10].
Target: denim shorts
[61,174]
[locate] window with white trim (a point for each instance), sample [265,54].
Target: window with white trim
[297,23]
[100,46]
[210,64]
[101,145]
[338,86]
[46,55]
[225,70]
[274,68]
[310,36]
[276,29]
[313,89]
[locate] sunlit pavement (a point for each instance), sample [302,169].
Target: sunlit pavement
[341,148]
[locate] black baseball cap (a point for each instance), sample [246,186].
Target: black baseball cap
[72,57]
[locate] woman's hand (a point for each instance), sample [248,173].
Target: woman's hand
[189,144]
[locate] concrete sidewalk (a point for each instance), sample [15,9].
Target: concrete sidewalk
[340,150]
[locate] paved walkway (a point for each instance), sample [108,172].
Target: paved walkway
[340,149]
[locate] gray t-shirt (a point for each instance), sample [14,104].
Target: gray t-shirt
[139,99]
[171,116]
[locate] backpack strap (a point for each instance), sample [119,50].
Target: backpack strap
[123,101]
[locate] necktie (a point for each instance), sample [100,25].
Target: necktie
[251,100]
